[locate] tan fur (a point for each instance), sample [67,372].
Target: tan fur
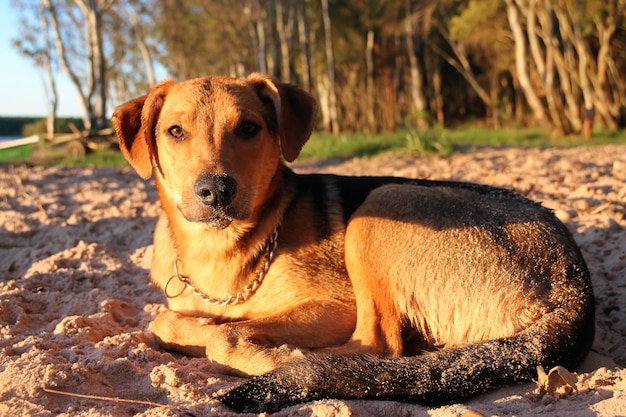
[407,272]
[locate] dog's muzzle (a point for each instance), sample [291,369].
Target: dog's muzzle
[215,191]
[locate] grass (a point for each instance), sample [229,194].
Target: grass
[102,158]
[437,140]
[444,141]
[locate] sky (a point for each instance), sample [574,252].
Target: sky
[22,87]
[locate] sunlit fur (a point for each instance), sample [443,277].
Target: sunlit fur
[388,288]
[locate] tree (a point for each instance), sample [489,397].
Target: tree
[374,65]
[132,49]
[61,22]
[91,84]
[328,89]
[40,49]
[523,75]
[417,88]
[571,53]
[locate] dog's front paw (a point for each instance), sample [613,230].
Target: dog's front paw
[175,331]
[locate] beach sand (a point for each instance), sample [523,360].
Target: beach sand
[75,297]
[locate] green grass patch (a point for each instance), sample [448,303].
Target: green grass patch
[57,157]
[443,141]
[529,137]
[436,140]
[101,158]
[325,145]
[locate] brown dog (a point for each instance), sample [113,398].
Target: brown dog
[349,287]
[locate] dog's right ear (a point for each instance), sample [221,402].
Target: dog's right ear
[127,123]
[135,122]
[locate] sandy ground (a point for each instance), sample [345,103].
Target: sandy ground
[75,299]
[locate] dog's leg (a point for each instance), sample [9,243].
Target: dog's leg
[379,322]
[253,347]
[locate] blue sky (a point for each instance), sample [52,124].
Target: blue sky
[22,87]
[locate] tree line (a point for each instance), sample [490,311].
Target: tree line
[374,65]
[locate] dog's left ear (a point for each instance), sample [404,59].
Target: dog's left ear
[296,112]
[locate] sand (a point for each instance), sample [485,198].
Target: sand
[75,298]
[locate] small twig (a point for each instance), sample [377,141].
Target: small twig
[112,399]
[22,189]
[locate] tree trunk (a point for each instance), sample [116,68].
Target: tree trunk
[330,62]
[99,73]
[605,30]
[273,59]
[433,67]
[46,63]
[417,93]
[303,38]
[462,65]
[582,66]
[146,56]
[256,28]
[520,64]
[544,61]
[64,61]
[323,92]
[92,11]
[388,109]
[94,116]
[564,71]
[369,102]
[284,29]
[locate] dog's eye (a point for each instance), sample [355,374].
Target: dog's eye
[176,132]
[248,130]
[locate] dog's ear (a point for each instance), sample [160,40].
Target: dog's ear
[296,112]
[127,123]
[134,123]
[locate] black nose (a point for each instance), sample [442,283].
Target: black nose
[215,190]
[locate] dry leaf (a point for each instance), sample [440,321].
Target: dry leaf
[557,379]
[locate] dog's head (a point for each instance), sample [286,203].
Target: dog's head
[215,143]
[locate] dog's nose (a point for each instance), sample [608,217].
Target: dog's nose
[215,190]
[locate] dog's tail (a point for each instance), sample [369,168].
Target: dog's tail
[561,337]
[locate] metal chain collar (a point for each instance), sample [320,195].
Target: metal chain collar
[241,296]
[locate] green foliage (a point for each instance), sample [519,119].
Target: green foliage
[461,50]
[28,126]
[38,127]
[474,15]
[434,140]
[34,128]
[13,126]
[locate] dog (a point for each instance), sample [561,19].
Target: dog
[324,286]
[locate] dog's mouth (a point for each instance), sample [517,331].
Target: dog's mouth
[217,223]
[210,218]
